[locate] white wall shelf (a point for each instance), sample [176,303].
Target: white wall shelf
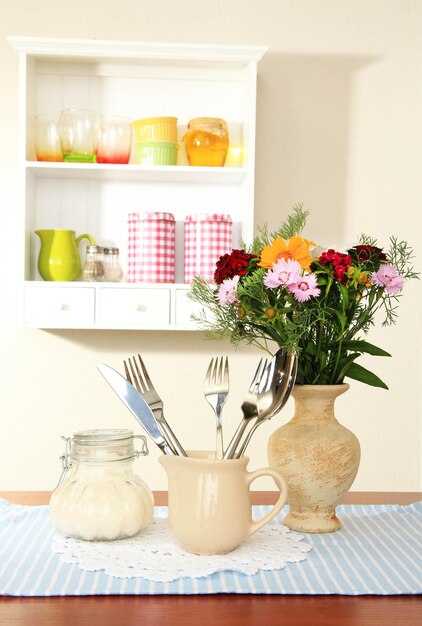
[118,306]
[169,174]
[136,80]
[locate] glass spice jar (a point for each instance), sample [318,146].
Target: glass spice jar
[206,141]
[98,496]
[93,269]
[113,272]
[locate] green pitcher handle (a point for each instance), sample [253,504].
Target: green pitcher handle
[85,236]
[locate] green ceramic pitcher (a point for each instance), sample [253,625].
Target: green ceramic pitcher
[59,257]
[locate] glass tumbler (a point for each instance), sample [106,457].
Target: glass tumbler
[46,138]
[79,135]
[114,139]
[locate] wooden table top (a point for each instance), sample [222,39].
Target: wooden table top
[219,609]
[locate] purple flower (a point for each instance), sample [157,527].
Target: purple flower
[227,291]
[305,288]
[388,277]
[284,272]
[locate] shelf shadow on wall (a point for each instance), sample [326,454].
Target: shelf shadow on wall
[129,342]
[304,124]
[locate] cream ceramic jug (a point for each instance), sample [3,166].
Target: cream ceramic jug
[59,257]
[209,501]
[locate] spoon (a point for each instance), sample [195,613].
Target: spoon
[261,397]
[286,381]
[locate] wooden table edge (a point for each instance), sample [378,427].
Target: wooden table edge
[258,497]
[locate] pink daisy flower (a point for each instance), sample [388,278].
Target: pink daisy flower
[227,291]
[305,288]
[283,272]
[388,277]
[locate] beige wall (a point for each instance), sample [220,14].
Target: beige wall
[339,128]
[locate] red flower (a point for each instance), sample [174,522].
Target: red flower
[365,253]
[339,262]
[231,265]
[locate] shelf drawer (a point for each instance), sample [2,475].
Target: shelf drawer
[134,306]
[185,308]
[59,306]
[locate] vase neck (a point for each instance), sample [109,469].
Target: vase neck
[315,403]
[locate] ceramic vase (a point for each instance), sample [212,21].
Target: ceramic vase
[318,457]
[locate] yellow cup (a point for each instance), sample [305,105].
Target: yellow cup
[155,129]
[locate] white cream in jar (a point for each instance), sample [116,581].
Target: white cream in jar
[100,497]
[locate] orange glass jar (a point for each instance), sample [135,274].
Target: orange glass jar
[207,141]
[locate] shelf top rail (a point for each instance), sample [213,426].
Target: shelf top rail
[170,52]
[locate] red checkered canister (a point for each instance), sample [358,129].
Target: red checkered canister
[207,237]
[155,249]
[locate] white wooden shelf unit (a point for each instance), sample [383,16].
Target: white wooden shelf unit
[136,80]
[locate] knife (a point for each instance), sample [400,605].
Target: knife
[136,405]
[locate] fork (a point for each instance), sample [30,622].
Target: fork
[139,377]
[249,408]
[216,390]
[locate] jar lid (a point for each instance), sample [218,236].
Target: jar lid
[158,216]
[94,249]
[102,435]
[111,250]
[208,217]
[203,122]
[102,445]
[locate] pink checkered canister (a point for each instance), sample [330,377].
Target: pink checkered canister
[133,249]
[207,237]
[157,248]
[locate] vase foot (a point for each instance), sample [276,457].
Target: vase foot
[310,521]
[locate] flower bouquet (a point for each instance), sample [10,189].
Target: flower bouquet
[316,302]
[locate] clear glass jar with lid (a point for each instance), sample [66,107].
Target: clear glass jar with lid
[113,272]
[206,141]
[98,496]
[93,269]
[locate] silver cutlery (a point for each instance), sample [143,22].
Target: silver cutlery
[286,381]
[139,377]
[249,407]
[266,398]
[264,404]
[136,405]
[216,389]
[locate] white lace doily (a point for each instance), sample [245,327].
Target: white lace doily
[155,555]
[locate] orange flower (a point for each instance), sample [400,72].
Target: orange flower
[295,248]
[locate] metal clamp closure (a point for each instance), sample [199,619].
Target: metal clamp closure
[144,451]
[65,459]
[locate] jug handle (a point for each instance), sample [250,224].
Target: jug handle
[85,236]
[281,484]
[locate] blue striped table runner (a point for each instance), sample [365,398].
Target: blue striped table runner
[378,551]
